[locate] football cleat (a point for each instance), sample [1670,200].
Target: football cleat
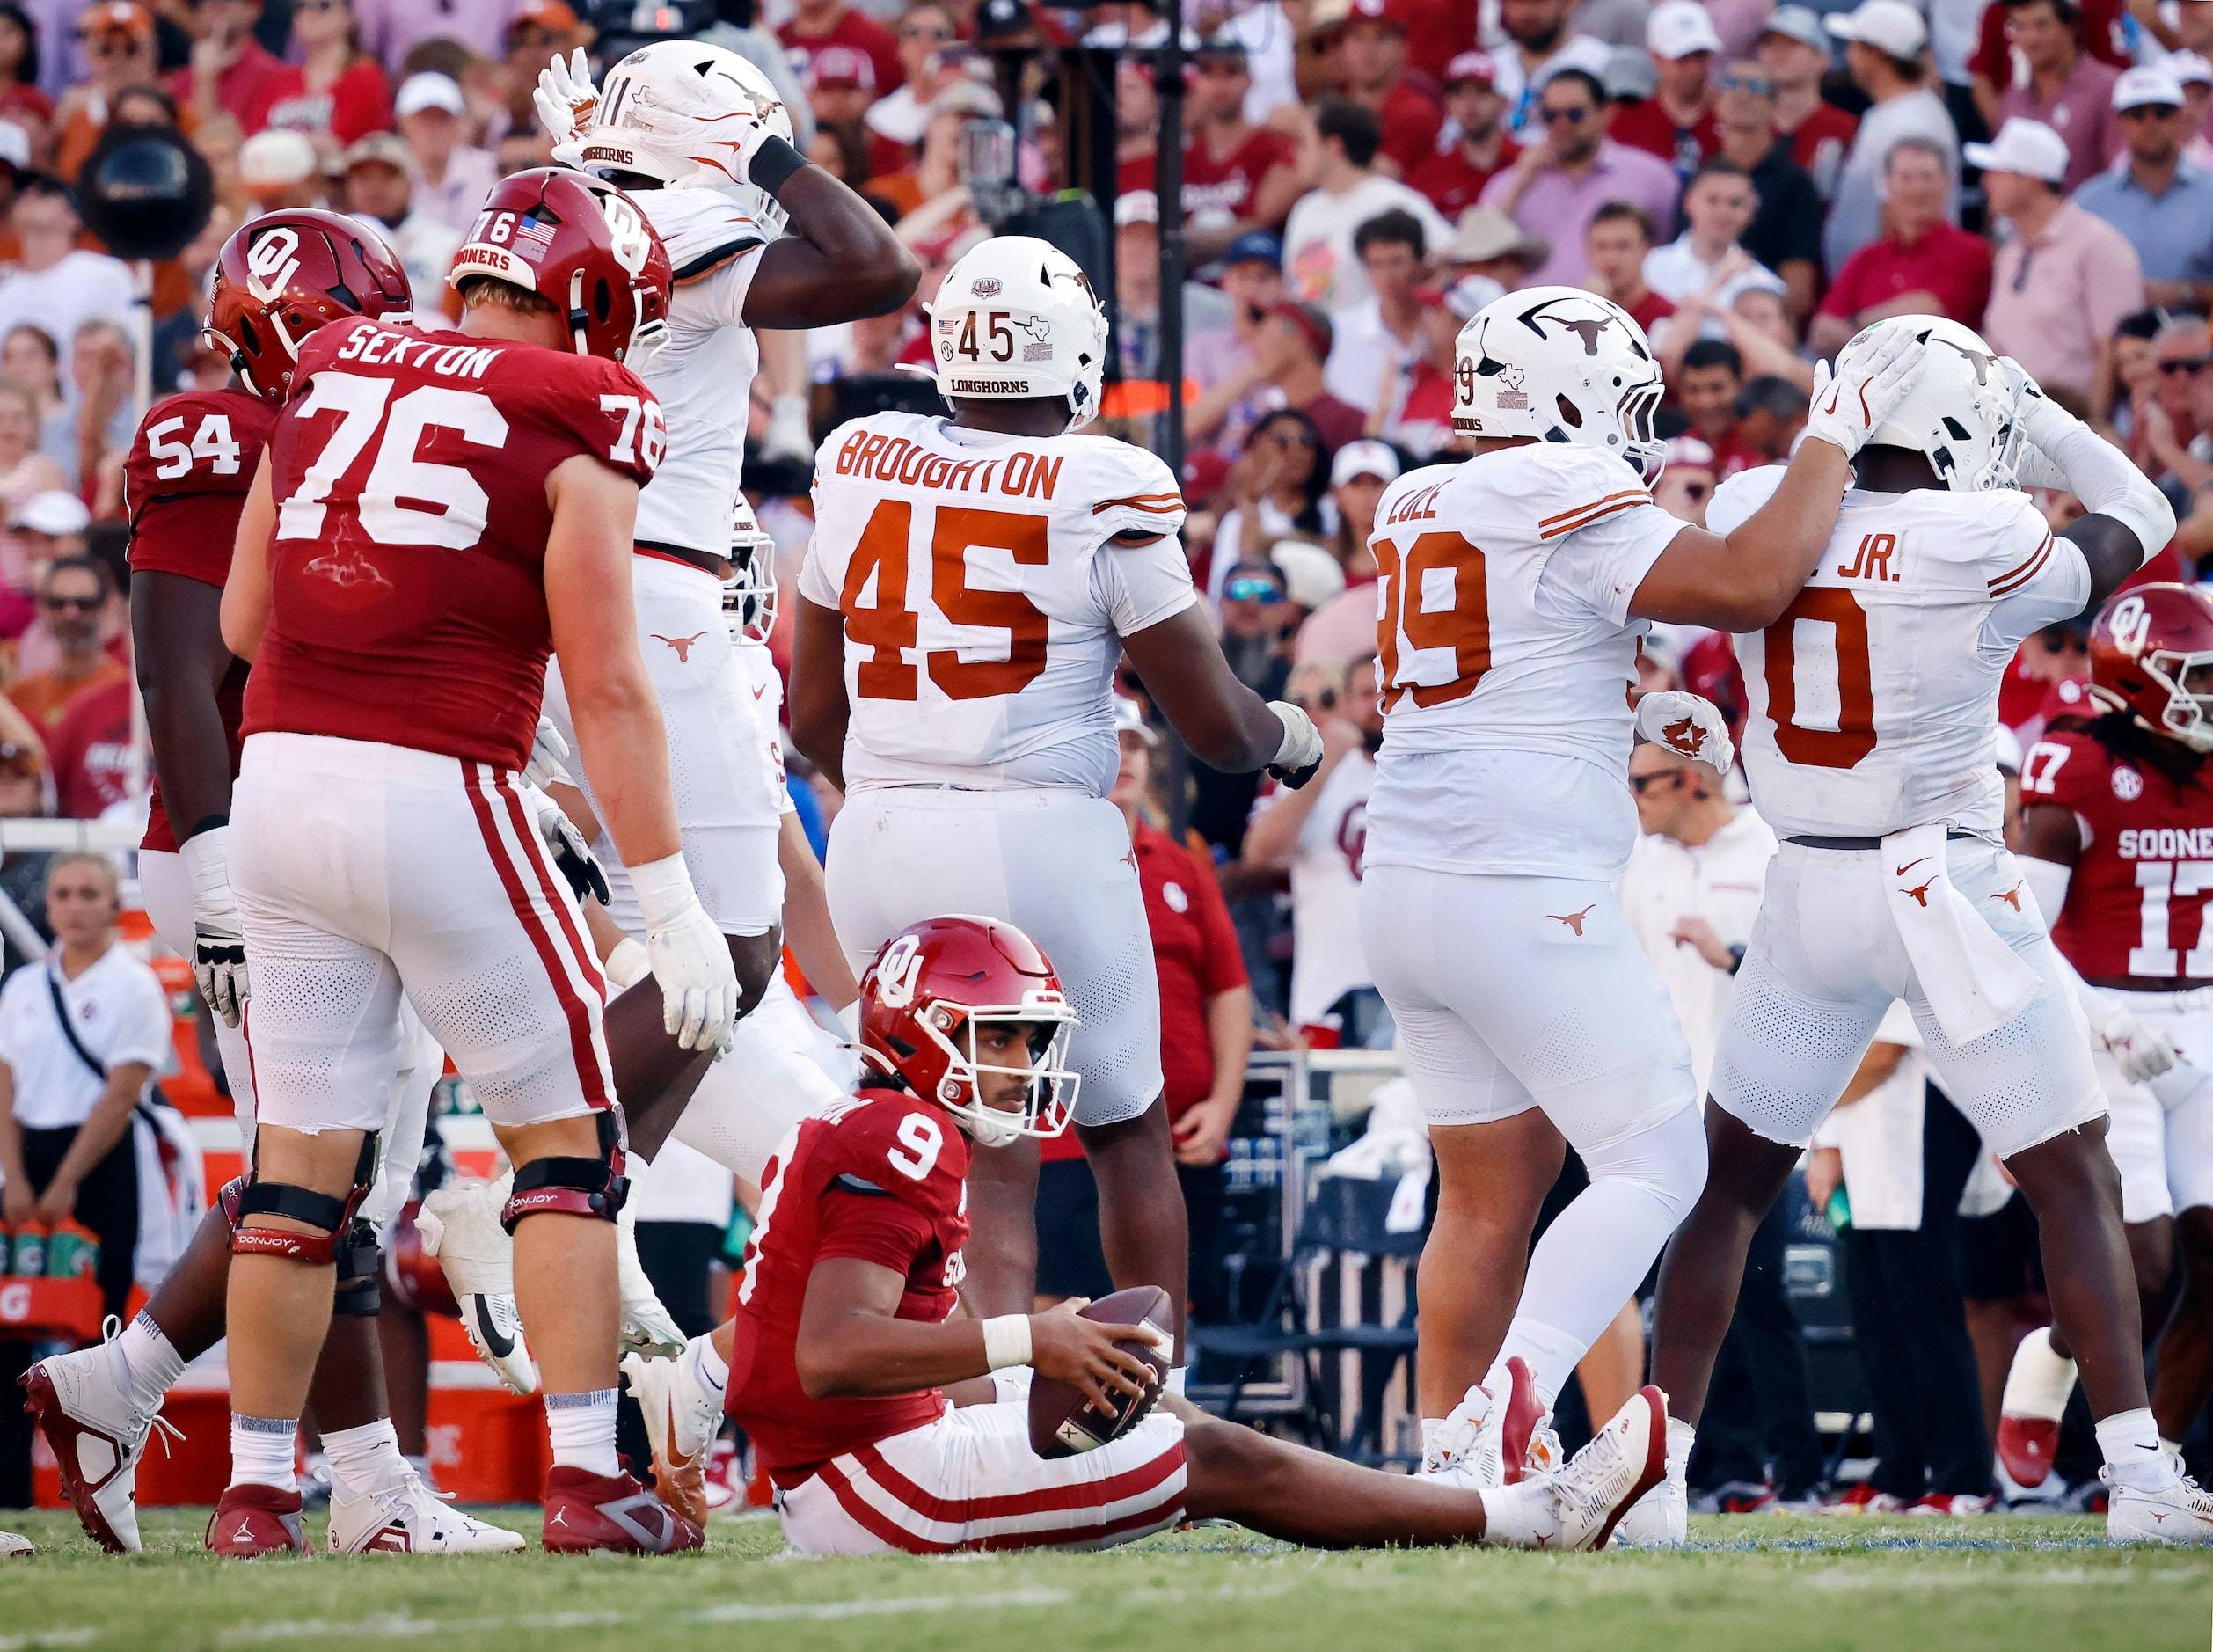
[410,1519]
[1624,1461]
[682,1417]
[611,1513]
[15,1547]
[647,1327]
[2182,1513]
[460,1226]
[2026,1446]
[1864,1499]
[98,1437]
[1954,1503]
[251,1520]
[2038,1384]
[1482,1436]
[1661,1519]
[726,1477]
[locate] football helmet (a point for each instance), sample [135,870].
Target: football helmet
[933,984]
[1960,413]
[666,111]
[1016,318]
[748,596]
[1562,365]
[583,243]
[2144,645]
[288,273]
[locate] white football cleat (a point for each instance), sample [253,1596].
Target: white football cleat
[683,1415]
[15,1547]
[1624,1460]
[2182,1513]
[98,1437]
[410,1519]
[1661,1519]
[647,1327]
[460,1226]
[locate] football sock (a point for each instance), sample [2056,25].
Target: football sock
[1519,1516]
[1551,1354]
[364,1459]
[262,1451]
[1429,1427]
[2131,1441]
[150,1360]
[2039,1382]
[582,1428]
[1681,1438]
[706,1367]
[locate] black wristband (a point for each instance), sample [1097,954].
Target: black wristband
[773,165]
[206,824]
[1737,957]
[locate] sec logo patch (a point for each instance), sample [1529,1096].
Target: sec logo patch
[2128,785]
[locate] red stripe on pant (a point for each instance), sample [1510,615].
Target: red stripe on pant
[583,1045]
[1094,1496]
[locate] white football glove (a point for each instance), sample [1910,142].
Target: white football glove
[218,939]
[1871,376]
[548,757]
[565,97]
[2142,1052]
[789,434]
[647,1327]
[1300,754]
[691,959]
[573,857]
[1685,724]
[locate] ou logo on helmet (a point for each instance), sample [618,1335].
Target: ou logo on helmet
[633,242]
[271,263]
[2130,623]
[898,971]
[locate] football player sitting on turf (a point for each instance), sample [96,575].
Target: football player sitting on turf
[877,1415]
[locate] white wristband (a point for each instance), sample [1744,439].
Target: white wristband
[627,964]
[1006,1341]
[664,890]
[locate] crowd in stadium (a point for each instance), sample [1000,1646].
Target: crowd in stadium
[1753,183]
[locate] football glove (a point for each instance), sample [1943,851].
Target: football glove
[1688,726]
[1871,376]
[218,939]
[691,959]
[2141,1051]
[565,97]
[573,857]
[647,1328]
[1300,754]
[549,757]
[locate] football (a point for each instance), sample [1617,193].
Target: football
[1062,1419]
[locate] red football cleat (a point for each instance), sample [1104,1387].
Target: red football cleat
[611,1513]
[1523,1411]
[2025,1446]
[251,1520]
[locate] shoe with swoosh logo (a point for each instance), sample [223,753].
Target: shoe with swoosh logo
[2180,1513]
[611,1514]
[460,1226]
[684,1414]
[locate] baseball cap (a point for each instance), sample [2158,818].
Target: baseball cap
[2189,67]
[1801,24]
[1365,456]
[380,148]
[429,90]
[53,512]
[1254,246]
[2024,146]
[840,66]
[547,14]
[1137,206]
[277,159]
[1129,718]
[1377,11]
[1630,73]
[1891,26]
[1312,576]
[1471,66]
[968,97]
[1690,452]
[1678,29]
[116,17]
[2144,85]
[1310,319]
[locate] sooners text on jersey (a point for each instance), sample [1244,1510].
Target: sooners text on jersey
[880,1178]
[184,483]
[2135,905]
[407,566]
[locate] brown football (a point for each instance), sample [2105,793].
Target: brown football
[1062,1419]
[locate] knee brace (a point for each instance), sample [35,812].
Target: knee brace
[333,1216]
[572,1186]
[360,1269]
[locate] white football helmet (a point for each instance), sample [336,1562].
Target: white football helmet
[1960,412]
[748,596]
[658,113]
[1562,365]
[1016,318]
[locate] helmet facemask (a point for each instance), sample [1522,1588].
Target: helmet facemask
[1049,1096]
[2187,717]
[748,596]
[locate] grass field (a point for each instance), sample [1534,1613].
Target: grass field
[1776,1584]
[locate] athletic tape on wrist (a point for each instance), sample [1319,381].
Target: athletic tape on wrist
[664,889]
[1006,1341]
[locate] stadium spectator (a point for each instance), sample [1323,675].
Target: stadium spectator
[55,284]
[91,752]
[392,29]
[2194,74]
[33,415]
[231,72]
[1137,288]
[1922,265]
[103,375]
[929,58]
[814,23]
[74,597]
[40,530]
[1237,177]
[2067,89]
[21,100]
[1686,486]
[1453,178]
[1490,245]
[117,40]
[1558,185]
[1336,163]
[841,89]
[1222,361]
[2064,279]
[277,168]
[337,93]
[1278,487]
[1707,261]
[1422,424]
[380,193]
[1707,390]
[1994,67]
[538,31]
[1794,47]
[1374,339]
[1619,242]
[1358,473]
[1785,233]
[1770,410]
[452,178]
[1287,357]
[1538,42]
[1372,53]
[2161,202]
[1676,124]
[1884,40]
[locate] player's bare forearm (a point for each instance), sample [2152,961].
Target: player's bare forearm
[177,633]
[819,708]
[1226,725]
[1745,581]
[807,929]
[849,1343]
[245,593]
[841,261]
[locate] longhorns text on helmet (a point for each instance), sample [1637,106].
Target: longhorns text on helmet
[1016,318]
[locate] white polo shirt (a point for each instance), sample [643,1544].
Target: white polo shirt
[120,1014]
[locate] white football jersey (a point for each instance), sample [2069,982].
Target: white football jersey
[985,597]
[765,700]
[1504,655]
[703,374]
[1874,696]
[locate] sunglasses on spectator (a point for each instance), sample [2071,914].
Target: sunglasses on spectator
[1254,588]
[82,605]
[1757,85]
[1571,117]
[2191,365]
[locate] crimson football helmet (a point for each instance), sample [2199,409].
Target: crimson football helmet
[583,243]
[2144,646]
[933,984]
[288,273]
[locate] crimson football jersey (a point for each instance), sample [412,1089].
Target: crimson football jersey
[881,1178]
[1215,191]
[184,483]
[408,565]
[2135,904]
